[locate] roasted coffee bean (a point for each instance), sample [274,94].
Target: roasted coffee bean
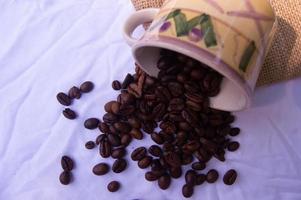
[65,177]
[69,114]
[122,127]
[67,163]
[216,120]
[208,145]
[126,110]
[230,177]
[185,126]
[119,165]
[186,159]
[134,122]
[157,138]
[230,119]
[220,155]
[212,176]
[109,118]
[198,166]
[74,93]
[155,150]
[158,112]
[116,85]
[149,126]
[105,149]
[114,140]
[173,159]
[86,87]
[145,162]
[126,139]
[164,63]
[101,169]
[103,127]
[90,145]
[164,182]
[113,130]
[138,153]
[202,155]
[63,99]
[191,146]
[176,89]
[136,133]
[191,177]
[194,106]
[108,106]
[100,138]
[182,77]
[168,127]
[197,74]
[189,118]
[162,94]
[168,147]
[234,132]
[233,146]
[175,172]
[118,153]
[187,190]
[127,81]
[127,98]
[113,186]
[200,179]
[150,176]
[91,123]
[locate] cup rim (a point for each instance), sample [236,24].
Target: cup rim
[216,64]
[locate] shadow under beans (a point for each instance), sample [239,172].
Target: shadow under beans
[285,38]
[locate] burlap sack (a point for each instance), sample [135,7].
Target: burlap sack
[283,61]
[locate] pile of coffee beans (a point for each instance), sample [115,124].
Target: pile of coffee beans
[174,110]
[67,165]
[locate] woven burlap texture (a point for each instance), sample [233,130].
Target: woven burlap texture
[283,62]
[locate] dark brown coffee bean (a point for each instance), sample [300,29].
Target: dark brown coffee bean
[145,162]
[114,140]
[63,99]
[90,145]
[162,94]
[195,97]
[67,163]
[230,119]
[126,139]
[176,89]
[116,85]
[186,159]
[138,153]
[234,132]
[155,150]
[150,176]
[197,74]
[149,126]
[109,118]
[113,186]
[208,145]
[74,93]
[101,169]
[198,166]
[194,106]
[200,179]
[100,138]
[168,127]
[202,155]
[191,177]
[91,123]
[182,77]
[86,87]
[158,112]
[108,106]
[191,146]
[233,146]
[122,127]
[119,165]
[118,153]
[164,63]
[216,120]
[212,176]
[185,126]
[230,177]
[173,159]
[127,81]
[136,133]
[164,182]
[134,122]
[167,147]
[157,138]
[103,127]
[127,98]
[105,149]
[65,177]
[126,110]
[187,190]
[175,172]
[69,114]
[189,118]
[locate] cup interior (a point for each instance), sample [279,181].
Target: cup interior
[234,95]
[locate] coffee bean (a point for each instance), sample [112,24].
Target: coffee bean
[230,177]
[90,145]
[65,177]
[114,140]
[168,127]
[145,162]
[119,165]
[158,112]
[234,131]
[155,150]
[74,93]
[69,114]
[191,177]
[200,179]
[127,98]
[126,139]
[122,127]
[191,146]
[63,99]
[197,74]
[67,163]
[233,146]
[109,118]
[202,155]
[212,176]
[100,138]
[134,122]
[150,176]
[198,166]
[173,159]
[86,87]
[138,153]
[91,123]
[118,153]
[103,127]
[187,190]
[128,80]
[175,172]
[101,169]
[116,85]
[176,89]
[136,133]
[108,106]
[105,149]
[167,147]
[113,186]
[149,126]
[164,182]
[186,159]
[115,108]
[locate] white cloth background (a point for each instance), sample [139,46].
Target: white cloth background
[48,46]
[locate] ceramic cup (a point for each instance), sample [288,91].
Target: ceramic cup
[230,36]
